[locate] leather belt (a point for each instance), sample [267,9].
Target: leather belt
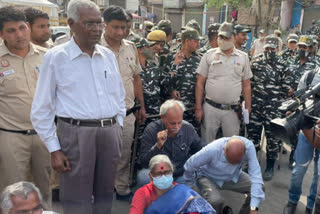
[90,123]
[222,106]
[25,132]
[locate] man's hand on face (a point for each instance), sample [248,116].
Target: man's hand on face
[179,58]
[60,162]
[162,138]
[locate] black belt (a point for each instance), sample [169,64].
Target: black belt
[222,106]
[25,132]
[90,123]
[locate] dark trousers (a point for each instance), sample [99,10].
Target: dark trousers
[93,153]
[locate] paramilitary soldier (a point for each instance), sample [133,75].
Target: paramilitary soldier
[151,80]
[180,70]
[297,66]
[212,38]
[301,63]
[291,49]
[268,77]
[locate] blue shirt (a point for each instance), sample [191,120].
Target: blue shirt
[178,149]
[211,162]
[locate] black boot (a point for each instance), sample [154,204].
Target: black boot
[268,173]
[290,208]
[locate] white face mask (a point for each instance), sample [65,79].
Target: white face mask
[225,45]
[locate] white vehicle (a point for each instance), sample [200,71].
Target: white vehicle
[58,31]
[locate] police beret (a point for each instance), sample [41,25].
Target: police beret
[156,36]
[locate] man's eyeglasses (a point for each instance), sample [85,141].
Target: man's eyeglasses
[37,210]
[158,174]
[93,25]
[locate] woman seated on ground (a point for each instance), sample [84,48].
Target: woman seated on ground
[164,196]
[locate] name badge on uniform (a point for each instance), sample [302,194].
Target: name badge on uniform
[5,73]
[4,63]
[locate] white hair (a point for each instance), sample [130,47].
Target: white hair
[75,5]
[159,159]
[171,104]
[21,189]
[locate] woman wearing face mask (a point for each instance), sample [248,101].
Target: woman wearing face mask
[164,196]
[151,80]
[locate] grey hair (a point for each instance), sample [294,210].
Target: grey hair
[21,189]
[170,104]
[159,159]
[75,5]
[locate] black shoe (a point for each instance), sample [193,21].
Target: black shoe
[268,174]
[126,197]
[55,195]
[227,210]
[308,210]
[290,208]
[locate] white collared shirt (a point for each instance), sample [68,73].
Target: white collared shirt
[74,85]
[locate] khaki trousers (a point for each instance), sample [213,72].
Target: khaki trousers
[25,158]
[93,153]
[123,171]
[215,118]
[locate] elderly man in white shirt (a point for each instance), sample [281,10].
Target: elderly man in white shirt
[80,83]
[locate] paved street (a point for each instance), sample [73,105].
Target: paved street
[276,192]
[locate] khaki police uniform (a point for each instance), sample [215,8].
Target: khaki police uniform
[224,76]
[129,66]
[23,156]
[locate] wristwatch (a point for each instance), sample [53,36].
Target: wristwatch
[252,208]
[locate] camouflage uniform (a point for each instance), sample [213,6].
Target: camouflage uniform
[295,70]
[183,78]
[152,86]
[286,54]
[267,92]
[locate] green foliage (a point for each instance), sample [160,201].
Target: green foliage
[232,3]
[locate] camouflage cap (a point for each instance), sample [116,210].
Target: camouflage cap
[164,24]
[226,29]
[140,42]
[194,24]
[241,29]
[156,36]
[271,41]
[262,31]
[318,22]
[213,28]
[292,37]
[190,33]
[305,40]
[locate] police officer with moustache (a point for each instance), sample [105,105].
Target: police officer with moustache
[241,36]
[268,90]
[180,70]
[23,156]
[223,74]
[291,50]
